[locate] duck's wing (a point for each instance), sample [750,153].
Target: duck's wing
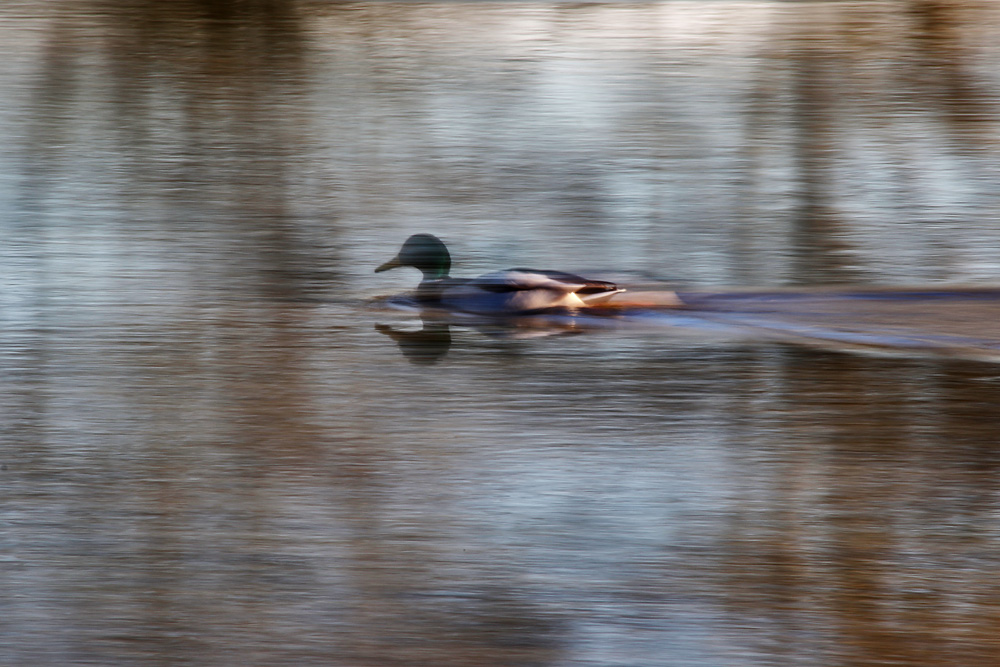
[529,279]
[522,291]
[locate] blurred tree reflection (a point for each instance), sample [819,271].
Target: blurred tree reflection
[207,102]
[941,32]
[872,528]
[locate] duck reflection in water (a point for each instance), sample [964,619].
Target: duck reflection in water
[429,345]
[432,342]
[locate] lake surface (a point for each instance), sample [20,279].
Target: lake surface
[218,445]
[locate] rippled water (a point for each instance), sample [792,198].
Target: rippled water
[216,448]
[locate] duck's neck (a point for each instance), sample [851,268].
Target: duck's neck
[435,274]
[430,289]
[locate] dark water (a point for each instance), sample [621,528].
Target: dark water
[215,449]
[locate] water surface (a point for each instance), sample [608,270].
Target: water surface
[213,449]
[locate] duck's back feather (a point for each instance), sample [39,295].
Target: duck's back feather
[528,279]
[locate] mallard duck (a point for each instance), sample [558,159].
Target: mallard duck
[510,291]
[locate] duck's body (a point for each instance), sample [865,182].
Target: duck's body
[510,291]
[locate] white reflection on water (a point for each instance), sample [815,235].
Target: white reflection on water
[211,454]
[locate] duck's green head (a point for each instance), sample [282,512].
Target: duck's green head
[425,252]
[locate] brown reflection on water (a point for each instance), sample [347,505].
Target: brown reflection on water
[944,36]
[813,56]
[878,520]
[817,233]
[267,505]
[180,114]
